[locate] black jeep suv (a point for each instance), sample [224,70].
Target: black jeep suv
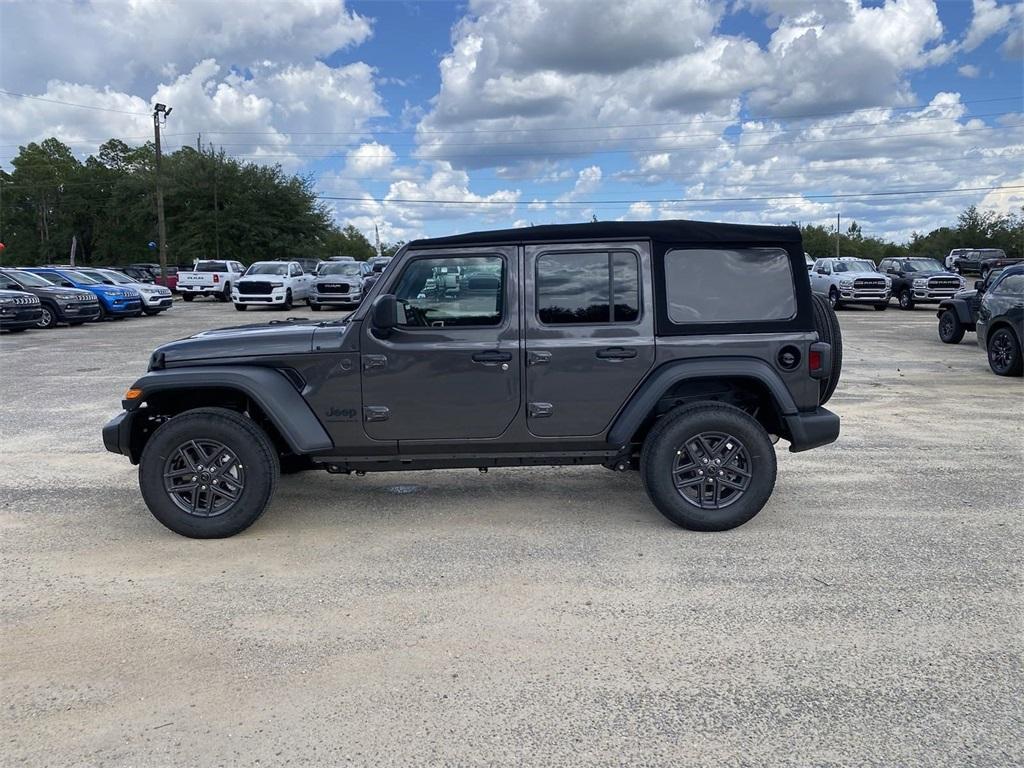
[679,349]
[960,314]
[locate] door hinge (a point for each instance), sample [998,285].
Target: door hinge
[374,361]
[376,413]
[540,410]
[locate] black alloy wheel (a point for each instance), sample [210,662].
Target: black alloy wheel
[906,299]
[712,470]
[1004,353]
[951,330]
[203,478]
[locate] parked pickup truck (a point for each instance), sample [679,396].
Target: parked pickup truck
[210,278]
[978,260]
[850,281]
[272,283]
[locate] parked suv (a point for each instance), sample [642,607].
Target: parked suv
[115,301]
[960,313]
[850,281]
[57,304]
[679,349]
[920,281]
[155,298]
[19,311]
[272,283]
[337,283]
[1001,322]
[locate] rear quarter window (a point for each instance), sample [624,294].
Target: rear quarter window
[723,285]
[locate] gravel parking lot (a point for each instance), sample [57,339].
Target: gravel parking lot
[870,615]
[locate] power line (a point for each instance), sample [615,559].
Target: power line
[72,104]
[662,201]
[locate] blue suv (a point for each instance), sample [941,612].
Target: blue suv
[115,300]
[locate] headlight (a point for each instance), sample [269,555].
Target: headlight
[6,301]
[68,297]
[920,282]
[277,285]
[846,283]
[963,283]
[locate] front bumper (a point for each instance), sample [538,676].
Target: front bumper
[123,306]
[926,296]
[155,301]
[21,317]
[78,311]
[276,296]
[852,295]
[336,298]
[811,429]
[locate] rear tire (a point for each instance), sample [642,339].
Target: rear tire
[827,325]
[679,454]
[244,466]
[1004,353]
[187,297]
[951,330]
[225,295]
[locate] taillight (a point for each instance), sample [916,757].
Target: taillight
[216,278]
[814,360]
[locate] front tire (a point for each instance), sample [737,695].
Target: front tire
[49,318]
[208,473]
[833,298]
[287,300]
[906,299]
[708,467]
[241,307]
[951,330]
[1004,353]
[882,307]
[315,307]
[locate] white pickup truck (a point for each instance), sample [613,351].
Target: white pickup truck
[210,278]
[272,283]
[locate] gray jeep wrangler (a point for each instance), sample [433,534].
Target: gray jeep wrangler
[679,349]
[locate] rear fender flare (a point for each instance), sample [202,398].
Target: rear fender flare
[276,396]
[645,399]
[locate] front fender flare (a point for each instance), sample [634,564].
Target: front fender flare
[643,402]
[283,405]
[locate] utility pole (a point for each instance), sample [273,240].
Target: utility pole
[837,235]
[376,233]
[161,228]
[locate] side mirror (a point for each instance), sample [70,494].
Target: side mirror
[108,282]
[67,284]
[384,313]
[12,287]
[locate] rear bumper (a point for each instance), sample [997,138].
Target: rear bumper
[812,429]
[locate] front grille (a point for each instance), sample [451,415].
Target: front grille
[943,283]
[869,284]
[333,287]
[254,287]
[23,300]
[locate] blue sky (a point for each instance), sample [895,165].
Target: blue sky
[431,118]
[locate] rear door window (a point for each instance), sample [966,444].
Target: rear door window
[588,288]
[725,285]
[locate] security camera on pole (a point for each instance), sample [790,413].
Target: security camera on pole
[160,114]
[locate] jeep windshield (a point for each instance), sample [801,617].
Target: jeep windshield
[29,280]
[210,266]
[267,269]
[348,268]
[922,265]
[78,277]
[854,266]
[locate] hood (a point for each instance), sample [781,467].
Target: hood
[935,273]
[115,290]
[278,337]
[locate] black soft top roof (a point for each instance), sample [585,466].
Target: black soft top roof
[670,231]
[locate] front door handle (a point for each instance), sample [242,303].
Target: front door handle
[492,357]
[616,353]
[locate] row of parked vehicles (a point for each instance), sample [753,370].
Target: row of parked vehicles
[44,297]
[338,282]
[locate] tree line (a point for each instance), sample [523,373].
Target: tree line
[220,207]
[974,229]
[215,206]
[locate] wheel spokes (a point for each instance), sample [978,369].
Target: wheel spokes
[712,470]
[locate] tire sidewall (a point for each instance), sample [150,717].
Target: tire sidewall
[260,466]
[658,458]
[49,312]
[906,300]
[1015,363]
[950,320]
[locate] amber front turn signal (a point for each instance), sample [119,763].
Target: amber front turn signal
[133,394]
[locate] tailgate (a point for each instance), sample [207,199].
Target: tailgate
[197,279]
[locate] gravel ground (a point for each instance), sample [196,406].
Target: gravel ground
[870,615]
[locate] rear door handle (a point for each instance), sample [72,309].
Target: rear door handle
[492,357]
[616,353]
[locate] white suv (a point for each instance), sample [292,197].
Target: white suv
[271,283]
